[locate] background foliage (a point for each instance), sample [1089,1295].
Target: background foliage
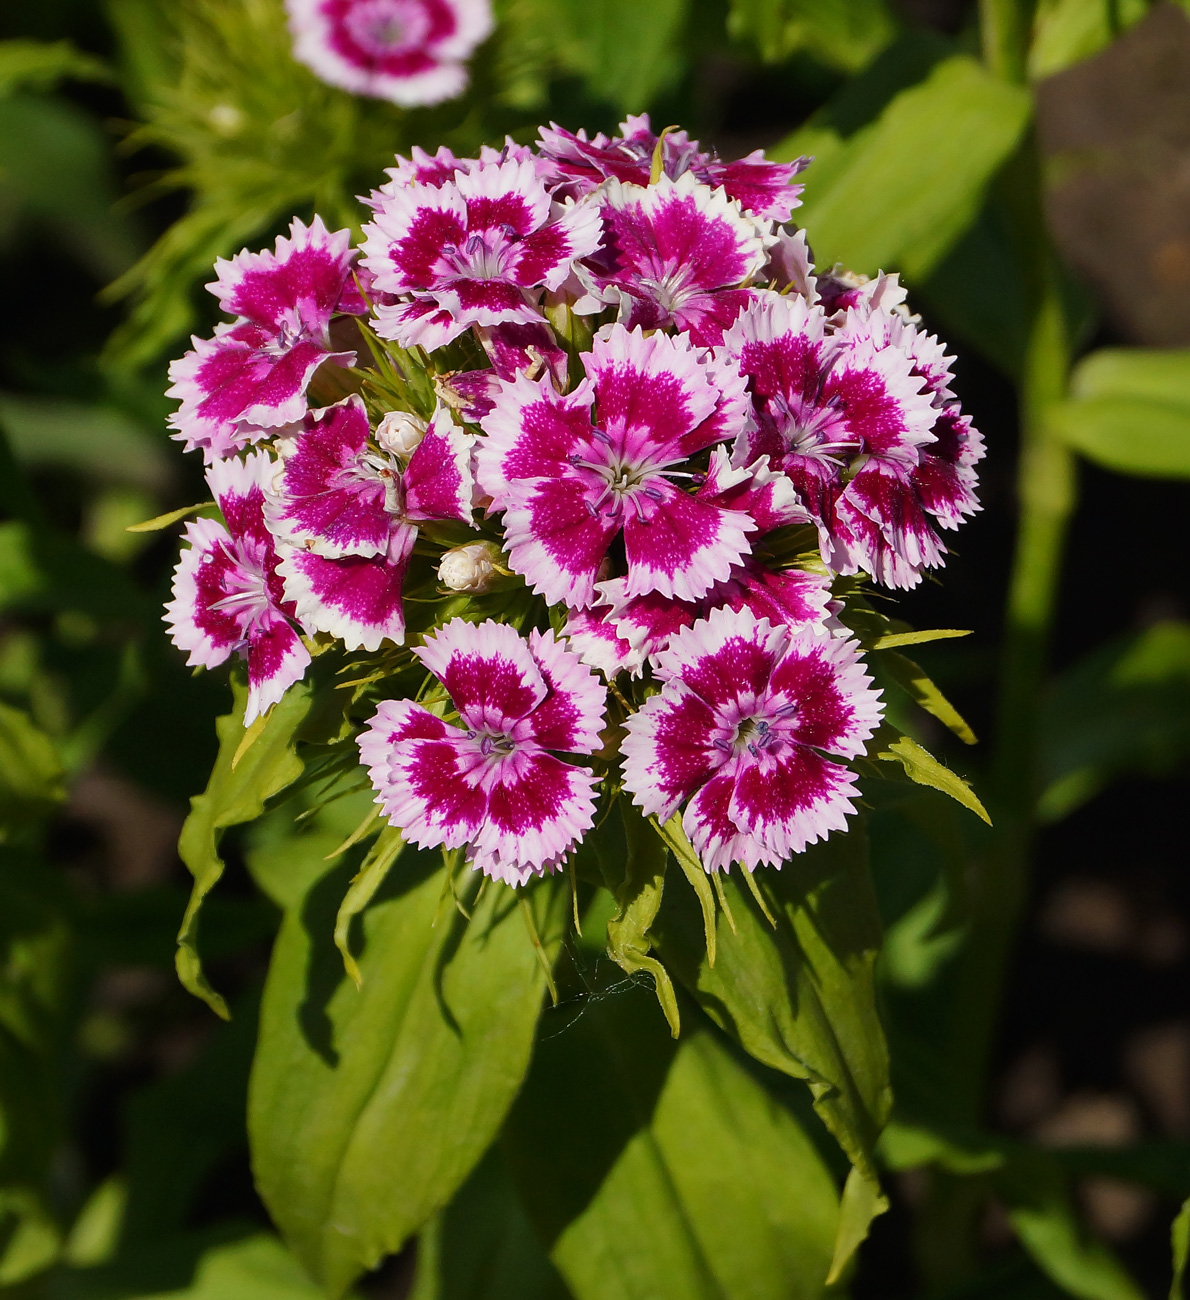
[138,140]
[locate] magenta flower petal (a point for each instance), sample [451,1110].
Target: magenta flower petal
[598,643]
[575,165]
[570,717]
[437,481]
[675,254]
[227,595]
[327,496]
[474,247]
[419,766]
[493,786]
[556,538]
[408,51]
[680,546]
[766,496]
[355,598]
[737,732]
[295,288]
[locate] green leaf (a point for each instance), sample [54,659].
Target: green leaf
[912,679]
[1067,31]
[1179,1236]
[800,998]
[368,1108]
[1042,1214]
[662,1172]
[1129,411]
[483,1247]
[923,768]
[1035,1190]
[29,1237]
[158,522]
[1123,708]
[895,639]
[36,65]
[363,888]
[31,776]
[55,169]
[899,191]
[846,34]
[234,794]
[638,900]
[95,440]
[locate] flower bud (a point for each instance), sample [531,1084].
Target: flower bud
[469,568]
[400,432]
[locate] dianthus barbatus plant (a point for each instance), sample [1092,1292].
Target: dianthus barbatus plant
[561,502]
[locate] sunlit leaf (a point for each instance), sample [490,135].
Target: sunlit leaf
[1067,31]
[843,33]
[620,1144]
[1129,411]
[234,795]
[913,680]
[1179,1234]
[800,998]
[369,1107]
[898,192]
[923,768]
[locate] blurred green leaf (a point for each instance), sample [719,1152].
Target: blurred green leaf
[800,998]
[842,33]
[1066,31]
[1129,411]
[898,191]
[592,39]
[31,776]
[621,1145]
[1123,708]
[369,1107]
[95,440]
[236,792]
[37,65]
[1179,1235]
[1041,1211]
[55,169]
[29,1237]
[95,1235]
[1037,1196]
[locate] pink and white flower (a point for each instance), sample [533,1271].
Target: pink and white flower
[675,254]
[475,250]
[227,594]
[645,625]
[252,376]
[746,732]
[348,512]
[408,51]
[573,472]
[847,421]
[493,784]
[575,165]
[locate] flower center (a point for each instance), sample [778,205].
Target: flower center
[493,744]
[248,596]
[484,256]
[386,27]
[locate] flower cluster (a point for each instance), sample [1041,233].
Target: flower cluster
[597,386]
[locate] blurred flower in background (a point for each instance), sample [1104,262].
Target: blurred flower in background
[408,51]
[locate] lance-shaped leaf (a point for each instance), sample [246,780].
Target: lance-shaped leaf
[1179,1236]
[368,1107]
[662,1172]
[638,900]
[1129,411]
[921,767]
[244,778]
[901,189]
[800,996]
[31,777]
